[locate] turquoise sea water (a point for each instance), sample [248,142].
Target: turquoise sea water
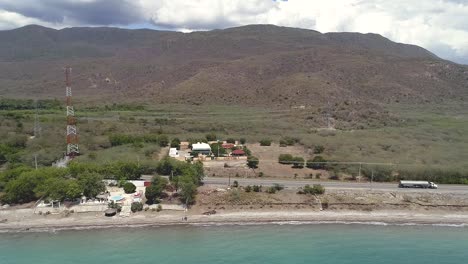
[316,243]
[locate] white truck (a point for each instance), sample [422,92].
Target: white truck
[417,184]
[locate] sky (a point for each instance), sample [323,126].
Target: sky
[440,26]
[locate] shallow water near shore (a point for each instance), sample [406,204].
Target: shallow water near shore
[321,243]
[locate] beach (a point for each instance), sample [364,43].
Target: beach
[234,207]
[91,220]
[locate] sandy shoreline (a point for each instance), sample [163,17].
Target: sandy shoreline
[76,222]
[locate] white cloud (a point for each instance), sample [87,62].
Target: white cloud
[438,25]
[14,20]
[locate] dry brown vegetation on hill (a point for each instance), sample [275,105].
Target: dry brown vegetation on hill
[250,65]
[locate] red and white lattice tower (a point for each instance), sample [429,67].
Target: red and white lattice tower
[72,133]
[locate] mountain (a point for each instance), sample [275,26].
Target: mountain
[250,65]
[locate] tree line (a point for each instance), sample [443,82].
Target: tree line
[22,184]
[122,139]
[29,104]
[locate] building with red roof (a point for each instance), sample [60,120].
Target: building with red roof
[238,152]
[228,145]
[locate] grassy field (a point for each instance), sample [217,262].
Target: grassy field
[427,136]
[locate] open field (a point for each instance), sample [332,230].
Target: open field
[426,136]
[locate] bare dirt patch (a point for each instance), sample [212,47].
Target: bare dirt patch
[237,199]
[268,157]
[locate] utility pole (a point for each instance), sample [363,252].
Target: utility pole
[37,126]
[360,166]
[35,160]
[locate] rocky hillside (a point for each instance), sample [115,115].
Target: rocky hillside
[251,65]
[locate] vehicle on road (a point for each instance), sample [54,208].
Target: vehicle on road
[417,184]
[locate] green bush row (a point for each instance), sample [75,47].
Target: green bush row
[122,139]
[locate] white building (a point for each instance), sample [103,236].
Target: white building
[201,148]
[173,153]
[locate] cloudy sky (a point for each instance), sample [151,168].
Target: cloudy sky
[440,26]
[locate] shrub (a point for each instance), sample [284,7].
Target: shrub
[265,142]
[247,151]
[298,162]
[242,141]
[113,205]
[231,140]
[235,184]
[159,208]
[257,188]
[333,176]
[248,188]
[282,143]
[316,163]
[285,158]
[260,174]
[315,189]
[136,206]
[92,155]
[129,187]
[319,149]
[271,190]
[289,141]
[278,187]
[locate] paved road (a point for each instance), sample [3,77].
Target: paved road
[444,188]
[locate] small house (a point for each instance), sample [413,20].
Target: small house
[184,145]
[173,153]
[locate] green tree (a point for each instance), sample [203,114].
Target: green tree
[317,163]
[217,148]
[252,162]
[21,189]
[152,194]
[127,170]
[298,162]
[73,190]
[166,166]
[211,137]
[129,187]
[163,141]
[188,190]
[175,143]
[156,189]
[56,189]
[243,141]
[91,184]
[231,140]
